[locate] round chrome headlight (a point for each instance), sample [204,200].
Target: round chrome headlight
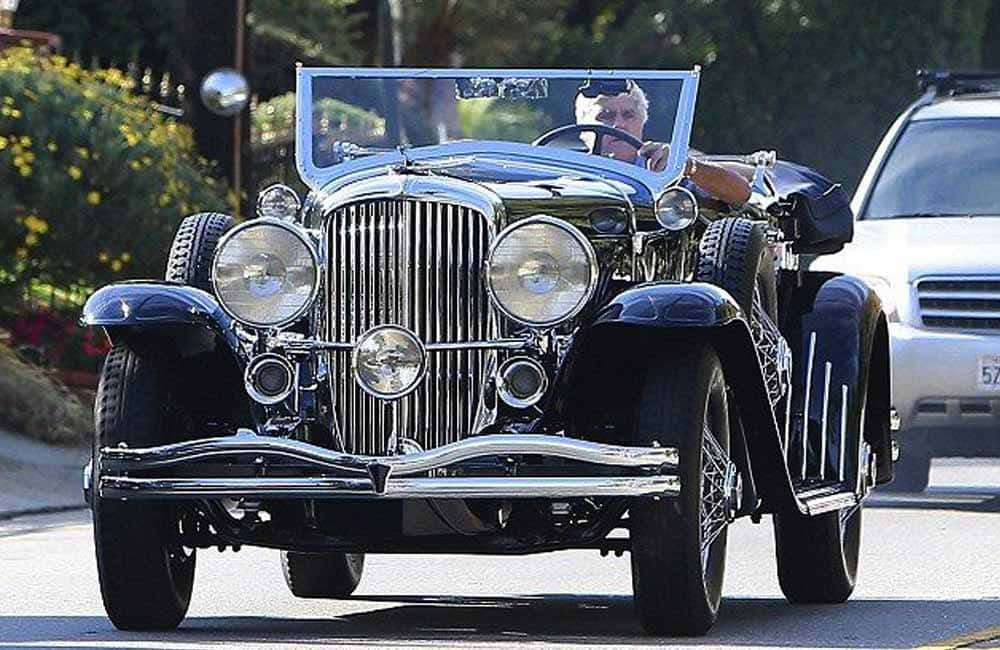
[265,273]
[278,202]
[676,209]
[389,361]
[541,271]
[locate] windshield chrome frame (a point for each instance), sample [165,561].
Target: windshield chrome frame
[656,182]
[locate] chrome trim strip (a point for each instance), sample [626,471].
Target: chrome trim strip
[429,488]
[843,430]
[306,345]
[415,463]
[826,411]
[805,409]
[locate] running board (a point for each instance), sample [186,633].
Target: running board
[826,498]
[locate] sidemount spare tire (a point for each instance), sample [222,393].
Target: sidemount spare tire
[193,250]
[733,254]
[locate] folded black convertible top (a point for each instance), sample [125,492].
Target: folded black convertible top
[820,208]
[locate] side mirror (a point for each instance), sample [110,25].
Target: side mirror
[225,92]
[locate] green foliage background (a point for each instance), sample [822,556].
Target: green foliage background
[93,180]
[818,80]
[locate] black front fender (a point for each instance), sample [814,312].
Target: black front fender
[617,342]
[132,307]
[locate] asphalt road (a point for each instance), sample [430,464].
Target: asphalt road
[930,575]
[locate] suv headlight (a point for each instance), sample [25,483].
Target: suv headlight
[541,271]
[265,273]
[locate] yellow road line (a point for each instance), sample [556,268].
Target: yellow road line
[964,640]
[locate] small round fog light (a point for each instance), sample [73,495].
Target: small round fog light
[389,361]
[269,378]
[521,382]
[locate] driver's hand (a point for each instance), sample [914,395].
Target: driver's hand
[655,154]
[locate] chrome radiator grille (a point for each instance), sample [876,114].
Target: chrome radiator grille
[417,264]
[960,303]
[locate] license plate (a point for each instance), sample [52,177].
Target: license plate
[988,375]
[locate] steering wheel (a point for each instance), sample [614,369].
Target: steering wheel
[598,130]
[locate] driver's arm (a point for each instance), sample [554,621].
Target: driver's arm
[722,183]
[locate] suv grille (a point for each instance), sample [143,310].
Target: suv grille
[417,264]
[967,303]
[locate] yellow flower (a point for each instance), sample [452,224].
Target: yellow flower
[21,253]
[146,160]
[164,200]
[74,172]
[93,197]
[87,114]
[29,157]
[9,101]
[104,257]
[25,141]
[14,113]
[25,171]
[126,257]
[3,143]
[52,147]
[83,152]
[36,224]
[116,265]
[31,239]
[135,165]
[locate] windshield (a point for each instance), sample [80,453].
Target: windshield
[354,114]
[940,167]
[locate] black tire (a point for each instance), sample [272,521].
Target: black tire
[193,250]
[733,254]
[674,593]
[912,472]
[146,576]
[322,575]
[818,555]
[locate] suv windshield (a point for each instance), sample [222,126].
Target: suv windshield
[940,167]
[354,114]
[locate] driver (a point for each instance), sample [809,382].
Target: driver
[622,104]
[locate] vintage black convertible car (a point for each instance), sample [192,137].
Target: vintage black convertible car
[477,336]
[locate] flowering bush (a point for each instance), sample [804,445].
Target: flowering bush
[93,179]
[56,340]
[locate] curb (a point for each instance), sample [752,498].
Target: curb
[46,510]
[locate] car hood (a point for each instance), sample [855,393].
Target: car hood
[906,249]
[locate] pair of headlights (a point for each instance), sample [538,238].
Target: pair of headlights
[540,272]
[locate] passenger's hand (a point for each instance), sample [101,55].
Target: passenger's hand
[655,154]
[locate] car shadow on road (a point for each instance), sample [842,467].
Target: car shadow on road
[984,499]
[553,618]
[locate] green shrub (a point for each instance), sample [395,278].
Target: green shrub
[93,179]
[32,404]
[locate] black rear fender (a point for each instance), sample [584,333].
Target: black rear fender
[837,321]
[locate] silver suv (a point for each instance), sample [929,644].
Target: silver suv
[927,238]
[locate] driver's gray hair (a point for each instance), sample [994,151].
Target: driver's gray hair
[587,108]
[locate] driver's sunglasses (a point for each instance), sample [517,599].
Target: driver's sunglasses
[595,87]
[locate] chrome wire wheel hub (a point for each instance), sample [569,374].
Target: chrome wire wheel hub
[720,490]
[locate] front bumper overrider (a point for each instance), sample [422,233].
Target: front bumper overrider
[248,465]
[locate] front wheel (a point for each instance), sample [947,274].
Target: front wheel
[679,545]
[146,575]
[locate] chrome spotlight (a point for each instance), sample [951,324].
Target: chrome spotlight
[521,382]
[269,378]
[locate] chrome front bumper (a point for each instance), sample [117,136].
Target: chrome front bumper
[334,474]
